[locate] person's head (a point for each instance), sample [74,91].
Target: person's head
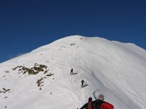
[90,99]
[101,97]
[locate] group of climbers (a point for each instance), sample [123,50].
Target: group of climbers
[99,103]
[82,81]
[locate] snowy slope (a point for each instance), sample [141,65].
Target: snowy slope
[113,68]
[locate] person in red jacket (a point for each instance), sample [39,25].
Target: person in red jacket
[101,104]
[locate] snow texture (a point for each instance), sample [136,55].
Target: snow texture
[112,68]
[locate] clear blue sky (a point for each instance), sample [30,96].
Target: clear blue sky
[28,24]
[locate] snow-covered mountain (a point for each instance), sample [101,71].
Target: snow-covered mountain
[41,79]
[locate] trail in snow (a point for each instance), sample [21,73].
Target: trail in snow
[78,94]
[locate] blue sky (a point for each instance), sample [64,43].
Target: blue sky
[28,24]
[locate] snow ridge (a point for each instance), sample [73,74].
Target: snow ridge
[41,79]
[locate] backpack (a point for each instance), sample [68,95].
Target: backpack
[89,105]
[106,105]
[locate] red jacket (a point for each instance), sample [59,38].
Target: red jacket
[106,105]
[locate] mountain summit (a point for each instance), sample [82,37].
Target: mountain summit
[41,79]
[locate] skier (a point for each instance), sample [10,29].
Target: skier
[88,105]
[101,104]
